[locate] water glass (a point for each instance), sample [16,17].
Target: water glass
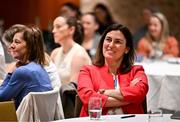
[155,115]
[95,108]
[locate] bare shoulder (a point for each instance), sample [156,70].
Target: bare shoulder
[81,54]
[81,57]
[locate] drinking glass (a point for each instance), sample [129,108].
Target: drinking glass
[95,108]
[155,115]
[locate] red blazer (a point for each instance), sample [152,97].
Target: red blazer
[93,78]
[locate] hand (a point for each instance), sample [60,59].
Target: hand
[101,91]
[134,81]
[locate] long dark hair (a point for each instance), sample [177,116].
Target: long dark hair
[128,59]
[78,35]
[35,45]
[108,18]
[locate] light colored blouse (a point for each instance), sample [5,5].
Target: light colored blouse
[63,62]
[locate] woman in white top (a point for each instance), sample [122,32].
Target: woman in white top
[70,57]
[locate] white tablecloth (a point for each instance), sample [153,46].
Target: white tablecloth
[164,85]
[117,118]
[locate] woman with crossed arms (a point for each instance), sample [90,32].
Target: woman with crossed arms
[113,75]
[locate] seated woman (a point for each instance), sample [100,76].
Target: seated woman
[49,65]
[70,57]
[91,37]
[28,75]
[157,43]
[104,17]
[113,77]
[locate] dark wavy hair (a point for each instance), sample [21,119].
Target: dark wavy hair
[128,59]
[35,45]
[73,7]
[109,18]
[78,35]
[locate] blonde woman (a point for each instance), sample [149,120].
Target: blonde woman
[158,43]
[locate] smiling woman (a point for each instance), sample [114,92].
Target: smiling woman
[18,46]
[157,43]
[28,74]
[114,47]
[114,77]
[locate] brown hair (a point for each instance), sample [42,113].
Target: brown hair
[128,59]
[34,42]
[9,33]
[78,35]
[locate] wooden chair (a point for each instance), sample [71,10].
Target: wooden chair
[78,106]
[8,111]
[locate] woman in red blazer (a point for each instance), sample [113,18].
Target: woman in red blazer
[113,75]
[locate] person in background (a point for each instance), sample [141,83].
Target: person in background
[49,67]
[104,17]
[8,57]
[27,75]
[113,75]
[79,38]
[157,43]
[1,26]
[2,63]
[2,53]
[70,10]
[146,14]
[49,41]
[70,57]
[91,38]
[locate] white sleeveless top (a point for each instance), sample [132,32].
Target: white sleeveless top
[63,62]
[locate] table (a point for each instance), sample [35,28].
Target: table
[164,85]
[117,118]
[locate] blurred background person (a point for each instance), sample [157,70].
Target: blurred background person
[2,63]
[49,41]
[146,14]
[27,75]
[70,57]
[91,37]
[157,43]
[70,10]
[2,55]
[1,26]
[113,75]
[8,57]
[104,17]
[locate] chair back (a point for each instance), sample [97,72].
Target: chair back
[144,104]
[78,106]
[8,111]
[41,106]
